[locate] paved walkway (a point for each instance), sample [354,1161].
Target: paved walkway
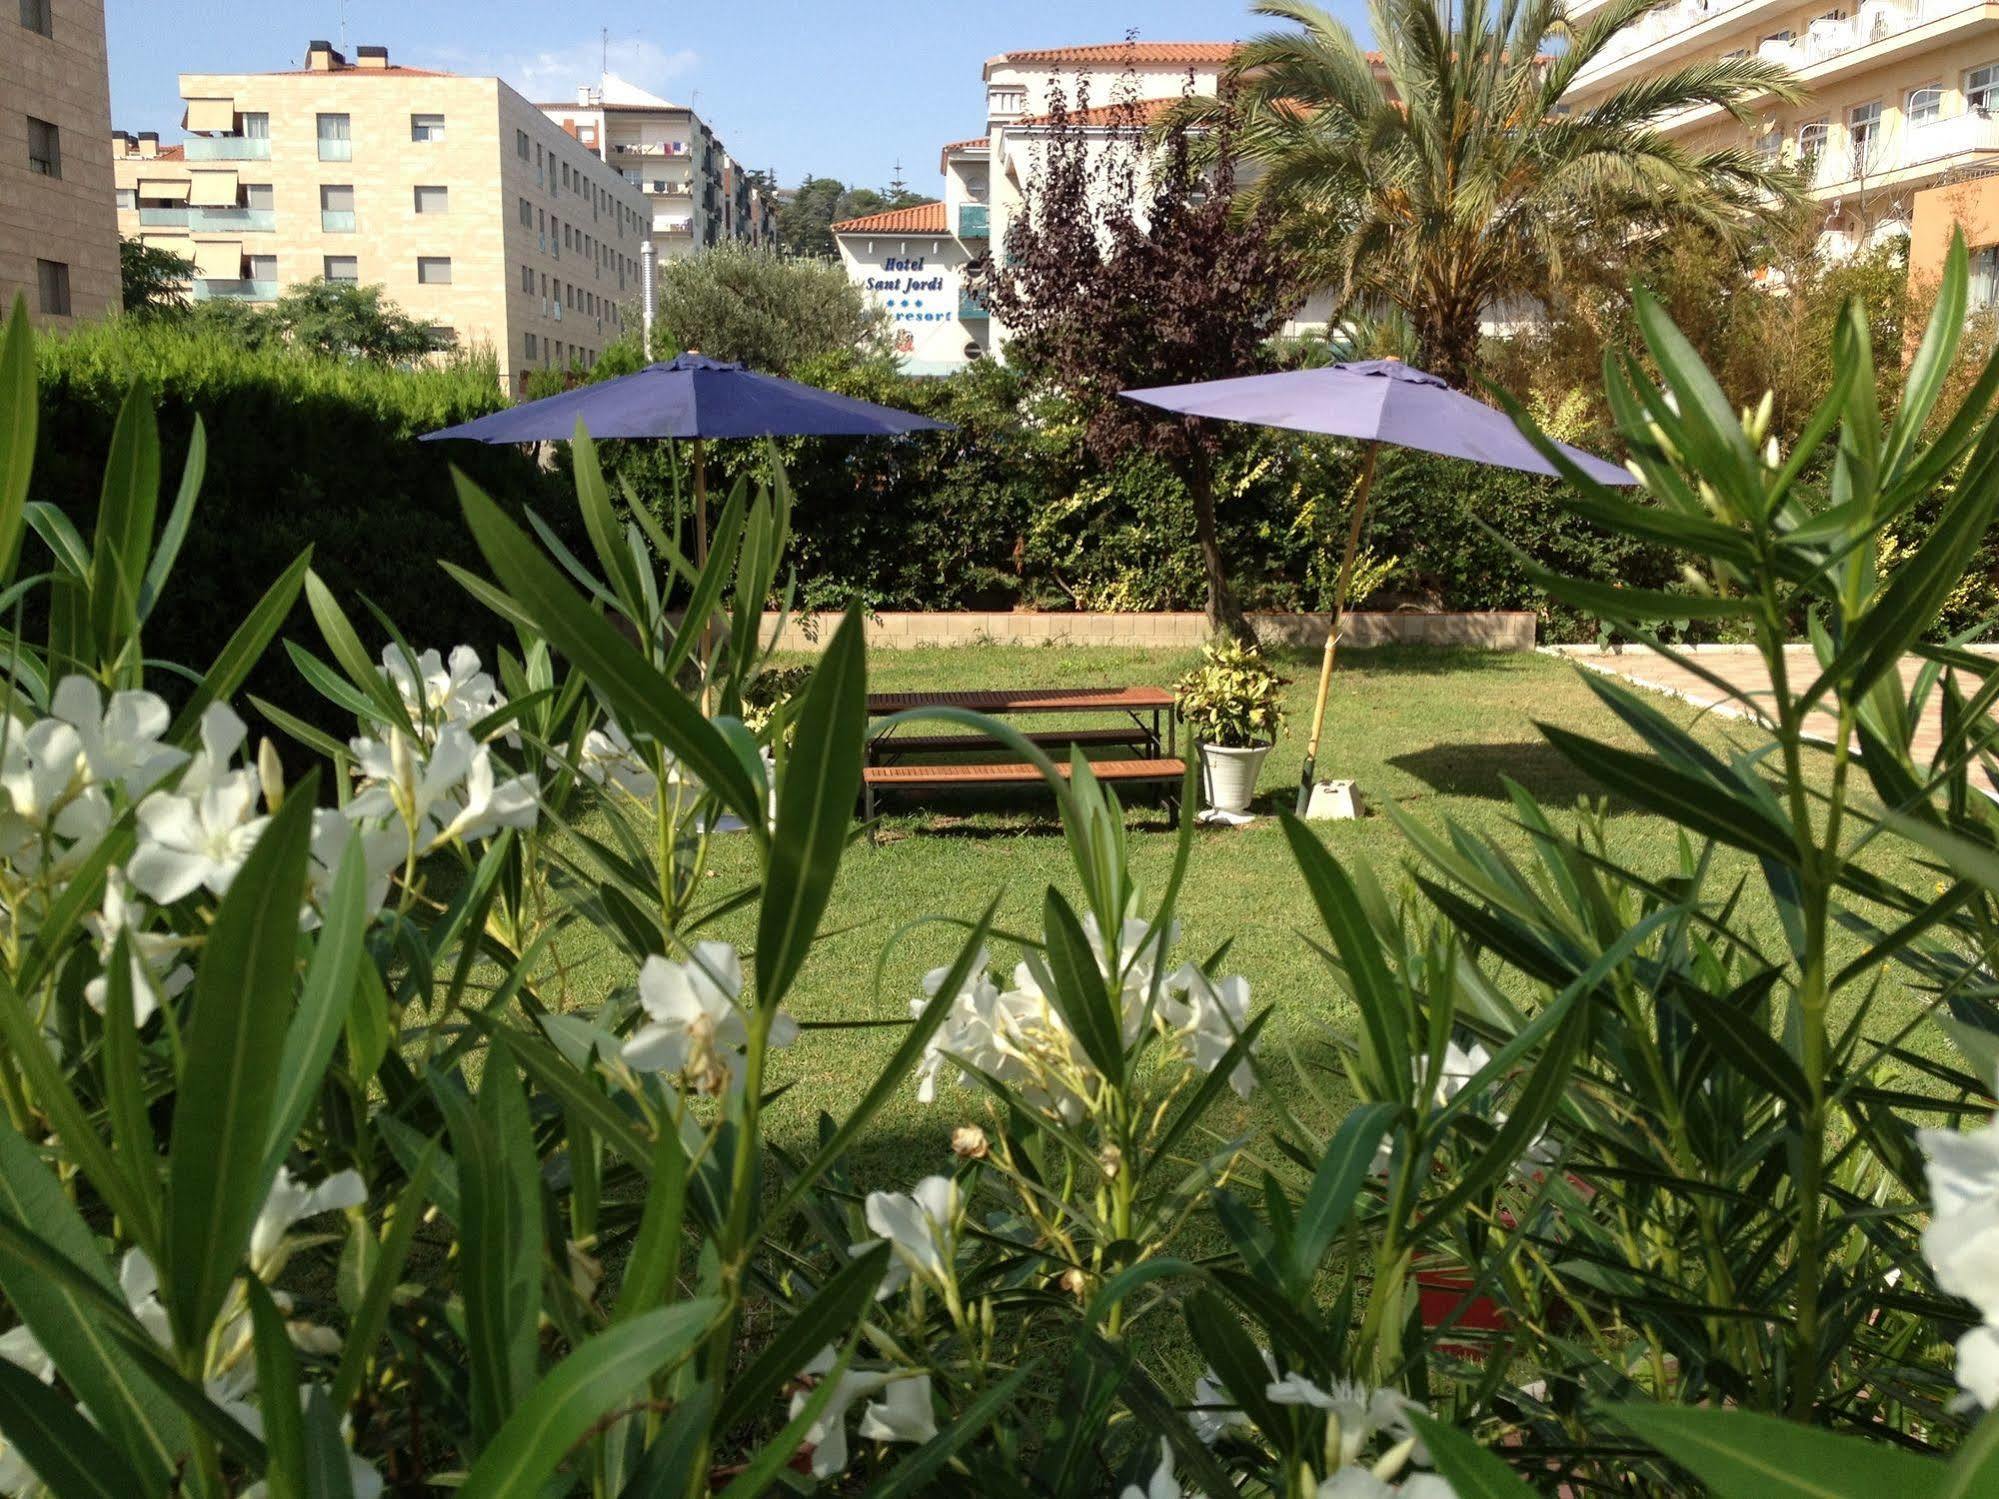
[1742,668]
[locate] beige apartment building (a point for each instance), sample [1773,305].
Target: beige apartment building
[700,196]
[1903,94]
[58,237]
[479,215]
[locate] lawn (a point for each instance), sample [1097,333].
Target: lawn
[1431,732]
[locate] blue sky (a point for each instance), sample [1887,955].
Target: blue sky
[833,87]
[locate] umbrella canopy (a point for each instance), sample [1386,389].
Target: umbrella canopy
[692,397]
[1374,400]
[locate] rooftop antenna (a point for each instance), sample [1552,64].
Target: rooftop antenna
[343,25]
[606,33]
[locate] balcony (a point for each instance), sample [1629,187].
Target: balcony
[166,216]
[228,147]
[971,309]
[676,227]
[332,150]
[1905,157]
[1678,30]
[336,220]
[212,289]
[233,220]
[974,221]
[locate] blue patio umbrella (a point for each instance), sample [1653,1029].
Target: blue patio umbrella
[1375,401]
[694,398]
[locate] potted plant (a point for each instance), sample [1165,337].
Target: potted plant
[1233,706]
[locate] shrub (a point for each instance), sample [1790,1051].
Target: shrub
[769,311]
[1231,698]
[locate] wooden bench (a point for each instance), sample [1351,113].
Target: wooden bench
[897,746]
[1168,773]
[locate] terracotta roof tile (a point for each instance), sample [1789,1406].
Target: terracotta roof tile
[924,218]
[976,143]
[1140,54]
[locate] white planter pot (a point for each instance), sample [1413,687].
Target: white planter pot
[1228,776]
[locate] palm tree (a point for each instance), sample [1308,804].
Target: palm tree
[1465,184]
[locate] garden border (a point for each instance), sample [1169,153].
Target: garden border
[1491,630]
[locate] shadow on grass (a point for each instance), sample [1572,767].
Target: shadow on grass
[1302,662]
[1483,769]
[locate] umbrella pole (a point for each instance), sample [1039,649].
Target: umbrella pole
[700,504]
[1363,490]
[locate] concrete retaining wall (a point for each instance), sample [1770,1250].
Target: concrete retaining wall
[1490,631]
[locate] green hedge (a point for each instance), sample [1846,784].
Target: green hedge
[302,451]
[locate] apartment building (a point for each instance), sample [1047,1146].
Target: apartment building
[699,197]
[912,260]
[477,213]
[1903,95]
[58,236]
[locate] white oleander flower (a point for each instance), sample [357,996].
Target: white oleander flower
[290,1202]
[19,1347]
[382,850]
[1359,1483]
[607,758]
[445,791]
[903,1414]
[1217,1414]
[1207,1017]
[1162,1484]
[152,955]
[1962,1243]
[489,803]
[45,789]
[120,740]
[921,1227]
[189,843]
[440,693]
[222,735]
[696,1027]
[1362,1413]
[827,1436]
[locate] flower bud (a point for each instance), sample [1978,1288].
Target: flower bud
[1111,1159]
[270,773]
[1075,1282]
[968,1142]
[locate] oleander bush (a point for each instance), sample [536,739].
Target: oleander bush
[321,1175]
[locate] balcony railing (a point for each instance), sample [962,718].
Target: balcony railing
[212,289]
[974,221]
[1917,146]
[677,226]
[970,308]
[336,220]
[333,150]
[164,217]
[251,220]
[228,147]
[1875,20]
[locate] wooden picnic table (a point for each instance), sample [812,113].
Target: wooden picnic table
[1147,731]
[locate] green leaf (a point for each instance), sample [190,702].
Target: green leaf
[1471,1471]
[1329,1202]
[125,1092]
[1233,1357]
[594,500]
[840,1305]
[600,1374]
[815,807]
[1384,1043]
[1077,988]
[1974,1471]
[243,650]
[218,1172]
[372,1314]
[913,1474]
[178,520]
[645,702]
[277,1383]
[1745,1455]
[655,1258]
[134,1416]
[351,656]
[124,534]
[323,1001]
[19,410]
[1744,1041]
[69,1455]
[329,1472]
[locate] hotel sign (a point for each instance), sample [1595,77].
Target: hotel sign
[904,294]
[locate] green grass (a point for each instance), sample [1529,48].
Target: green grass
[1430,732]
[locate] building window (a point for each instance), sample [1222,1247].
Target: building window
[443,336]
[259,195]
[341,268]
[39,15]
[426,127]
[44,149]
[262,267]
[1925,104]
[528,345]
[527,279]
[128,197]
[521,144]
[1811,139]
[1981,89]
[255,127]
[433,200]
[1984,290]
[336,208]
[433,270]
[1863,130]
[336,141]
[52,276]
